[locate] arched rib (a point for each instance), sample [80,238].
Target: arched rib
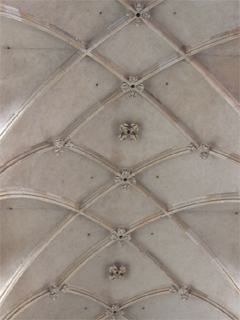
[83,260]
[25,304]
[109,65]
[205,200]
[152,5]
[47,146]
[20,307]
[145,221]
[26,18]
[133,243]
[197,202]
[213,41]
[19,192]
[146,295]
[144,191]
[90,114]
[39,92]
[235,158]
[171,117]
[37,149]
[158,67]
[101,316]
[96,157]
[205,298]
[205,250]
[127,5]
[86,294]
[193,293]
[210,78]
[34,254]
[190,51]
[44,196]
[163,156]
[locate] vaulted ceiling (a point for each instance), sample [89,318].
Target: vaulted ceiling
[120,159]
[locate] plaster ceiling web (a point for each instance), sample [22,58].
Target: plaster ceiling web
[66,148]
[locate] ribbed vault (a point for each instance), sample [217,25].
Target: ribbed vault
[77,196]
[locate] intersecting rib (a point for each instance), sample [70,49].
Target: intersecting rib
[42,89]
[176,45]
[206,250]
[89,114]
[37,149]
[57,230]
[85,258]
[163,156]
[143,190]
[171,117]
[151,257]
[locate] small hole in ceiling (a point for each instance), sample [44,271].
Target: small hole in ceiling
[100,12]
[10,208]
[128,132]
[175,12]
[96,84]
[138,15]
[143,308]
[157,177]
[85,308]
[8,48]
[120,237]
[152,233]
[88,234]
[235,212]
[91,177]
[125,179]
[166,83]
[132,86]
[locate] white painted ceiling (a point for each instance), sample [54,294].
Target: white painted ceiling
[65,91]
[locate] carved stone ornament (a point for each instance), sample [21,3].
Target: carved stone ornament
[120,236]
[128,130]
[54,290]
[114,311]
[138,15]
[184,291]
[59,145]
[116,272]
[204,151]
[192,147]
[173,289]
[125,179]
[131,89]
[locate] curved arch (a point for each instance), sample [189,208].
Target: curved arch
[156,261]
[163,156]
[47,146]
[37,149]
[41,90]
[80,262]
[205,298]
[14,192]
[190,51]
[172,153]
[145,295]
[24,304]
[15,14]
[96,157]
[194,293]
[205,200]
[17,309]
[86,294]
[57,229]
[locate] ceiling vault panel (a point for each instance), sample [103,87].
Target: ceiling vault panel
[49,138]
